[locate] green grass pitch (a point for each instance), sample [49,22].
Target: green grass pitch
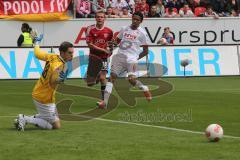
[203,100]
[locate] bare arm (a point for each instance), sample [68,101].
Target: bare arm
[144,52]
[96,48]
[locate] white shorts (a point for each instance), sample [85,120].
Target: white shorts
[47,112]
[119,65]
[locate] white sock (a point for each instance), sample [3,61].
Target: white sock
[108,91]
[38,121]
[141,86]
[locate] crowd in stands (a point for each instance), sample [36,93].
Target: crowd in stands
[158,8]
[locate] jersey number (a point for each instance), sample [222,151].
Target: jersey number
[46,68]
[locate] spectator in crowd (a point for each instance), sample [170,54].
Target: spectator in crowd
[185,8]
[182,2]
[153,12]
[110,13]
[137,3]
[142,7]
[125,13]
[171,13]
[186,11]
[219,6]
[210,13]
[160,7]
[83,9]
[131,6]
[151,2]
[230,5]
[118,5]
[99,5]
[174,4]
[167,37]
[193,4]
[25,39]
[203,3]
[233,13]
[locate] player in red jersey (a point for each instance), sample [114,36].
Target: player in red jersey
[99,40]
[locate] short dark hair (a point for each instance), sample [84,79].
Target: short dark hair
[64,46]
[27,27]
[167,28]
[138,14]
[209,7]
[154,5]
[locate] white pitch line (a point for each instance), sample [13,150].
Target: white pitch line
[141,124]
[21,93]
[161,127]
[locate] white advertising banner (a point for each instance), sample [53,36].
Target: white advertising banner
[203,61]
[20,63]
[186,30]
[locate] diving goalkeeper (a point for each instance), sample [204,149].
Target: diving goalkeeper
[43,93]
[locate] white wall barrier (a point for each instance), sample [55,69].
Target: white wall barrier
[20,63]
[187,30]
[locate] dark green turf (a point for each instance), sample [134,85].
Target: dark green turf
[202,100]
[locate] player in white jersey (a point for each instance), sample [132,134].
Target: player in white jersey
[131,39]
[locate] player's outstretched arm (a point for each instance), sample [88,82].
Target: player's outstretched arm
[37,52]
[40,54]
[96,48]
[144,52]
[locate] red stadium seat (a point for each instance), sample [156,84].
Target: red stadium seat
[199,10]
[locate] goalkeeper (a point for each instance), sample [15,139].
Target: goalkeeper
[43,93]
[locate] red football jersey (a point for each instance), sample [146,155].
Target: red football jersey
[100,38]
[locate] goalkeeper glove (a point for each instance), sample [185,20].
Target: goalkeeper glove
[63,76]
[37,40]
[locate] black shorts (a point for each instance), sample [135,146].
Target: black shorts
[95,66]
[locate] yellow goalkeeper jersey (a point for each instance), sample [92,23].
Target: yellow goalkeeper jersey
[44,90]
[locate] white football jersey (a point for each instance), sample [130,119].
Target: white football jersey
[131,42]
